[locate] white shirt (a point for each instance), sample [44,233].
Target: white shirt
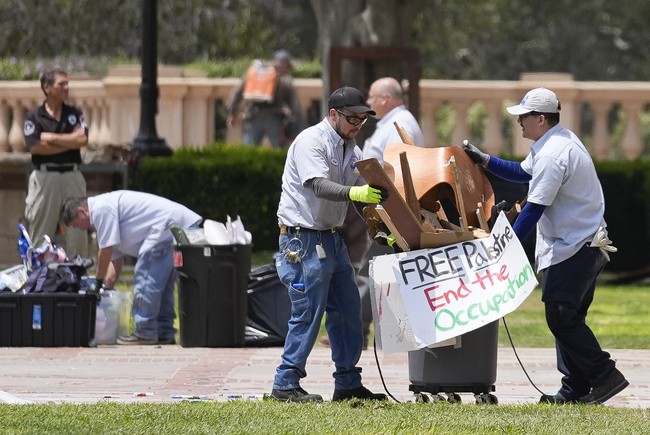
[318,151]
[386,134]
[134,222]
[565,181]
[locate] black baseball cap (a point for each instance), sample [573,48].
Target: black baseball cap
[349,98]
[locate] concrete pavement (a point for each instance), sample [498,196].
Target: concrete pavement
[170,373]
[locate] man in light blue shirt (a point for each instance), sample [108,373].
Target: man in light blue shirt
[136,224]
[566,204]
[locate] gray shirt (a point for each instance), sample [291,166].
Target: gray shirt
[317,152]
[134,222]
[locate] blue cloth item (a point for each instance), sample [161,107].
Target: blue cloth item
[317,286]
[527,219]
[511,171]
[153,293]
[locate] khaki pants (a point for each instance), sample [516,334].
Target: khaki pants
[45,195]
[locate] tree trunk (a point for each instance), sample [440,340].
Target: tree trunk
[361,23]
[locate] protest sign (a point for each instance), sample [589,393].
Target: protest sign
[427,297]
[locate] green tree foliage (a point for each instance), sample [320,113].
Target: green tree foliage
[188,30]
[462,39]
[500,39]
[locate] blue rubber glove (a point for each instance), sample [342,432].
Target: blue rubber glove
[367,194]
[476,154]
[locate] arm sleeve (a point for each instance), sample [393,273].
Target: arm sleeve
[508,170]
[236,97]
[326,189]
[527,220]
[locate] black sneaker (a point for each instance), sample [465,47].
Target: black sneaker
[557,399]
[611,387]
[295,395]
[135,340]
[356,393]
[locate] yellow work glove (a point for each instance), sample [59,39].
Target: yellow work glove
[367,194]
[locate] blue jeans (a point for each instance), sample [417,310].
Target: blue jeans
[261,124]
[153,288]
[329,287]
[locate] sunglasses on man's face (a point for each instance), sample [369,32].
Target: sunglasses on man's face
[353,120]
[526,115]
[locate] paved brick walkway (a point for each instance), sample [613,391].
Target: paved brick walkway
[166,374]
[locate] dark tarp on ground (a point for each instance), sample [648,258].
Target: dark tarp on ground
[269,308]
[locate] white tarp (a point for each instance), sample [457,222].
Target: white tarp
[428,297]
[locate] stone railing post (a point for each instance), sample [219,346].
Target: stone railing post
[4,126]
[631,142]
[169,119]
[198,114]
[493,138]
[600,135]
[16,136]
[461,128]
[428,122]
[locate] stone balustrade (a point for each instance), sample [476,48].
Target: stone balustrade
[187,107]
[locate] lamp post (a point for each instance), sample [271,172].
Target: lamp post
[147,142]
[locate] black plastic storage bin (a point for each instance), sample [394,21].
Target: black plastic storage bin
[470,368]
[47,319]
[212,294]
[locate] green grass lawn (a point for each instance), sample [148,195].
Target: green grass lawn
[268,417]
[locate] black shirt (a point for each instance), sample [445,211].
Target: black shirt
[38,120]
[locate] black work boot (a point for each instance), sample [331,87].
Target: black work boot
[614,384]
[295,395]
[356,393]
[557,399]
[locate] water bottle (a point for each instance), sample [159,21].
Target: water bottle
[36,317]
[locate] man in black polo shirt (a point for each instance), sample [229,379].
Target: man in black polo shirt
[54,134]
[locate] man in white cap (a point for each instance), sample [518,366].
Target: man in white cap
[319,181]
[566,204]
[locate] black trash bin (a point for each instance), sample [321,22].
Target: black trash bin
[212,294]
[471,367]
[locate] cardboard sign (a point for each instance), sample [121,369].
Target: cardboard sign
[427,297]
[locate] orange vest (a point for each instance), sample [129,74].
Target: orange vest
[260,83]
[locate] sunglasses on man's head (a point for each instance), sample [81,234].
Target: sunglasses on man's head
[353,120]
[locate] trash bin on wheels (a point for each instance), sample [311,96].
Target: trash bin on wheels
[212,294]
[468,368]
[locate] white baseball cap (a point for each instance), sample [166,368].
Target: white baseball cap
[539,100]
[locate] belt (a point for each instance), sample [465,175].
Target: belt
[51,167]
[284,230]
